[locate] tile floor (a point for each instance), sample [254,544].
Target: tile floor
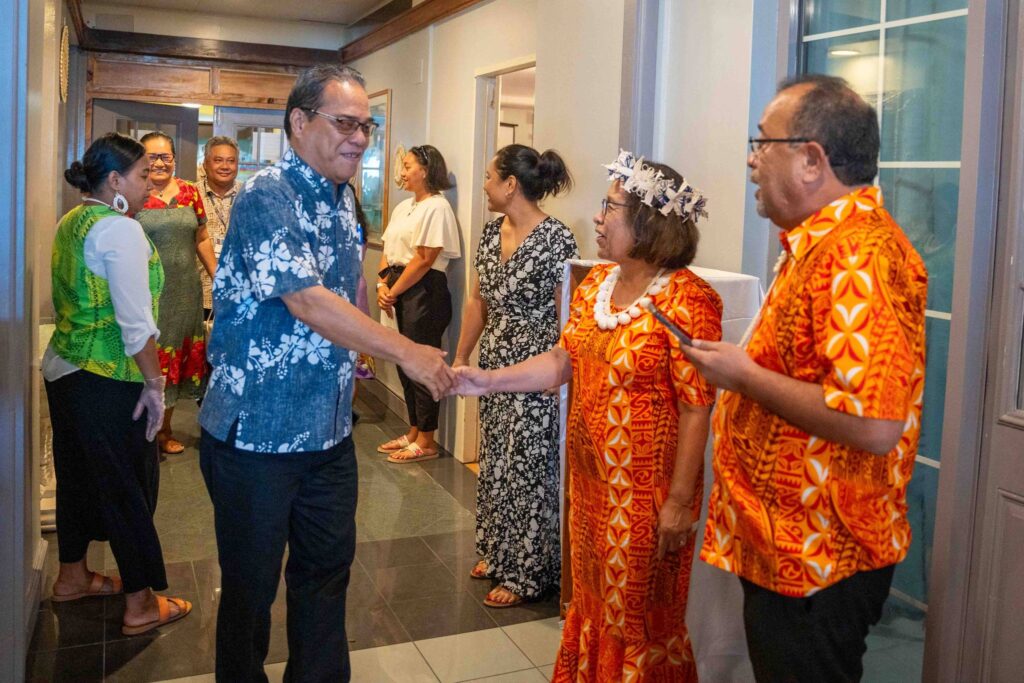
[413,611]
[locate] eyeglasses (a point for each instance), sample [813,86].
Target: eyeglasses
[347,125]
[166,158]
[605,203]
[758,144]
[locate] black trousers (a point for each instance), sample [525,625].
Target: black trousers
[108,476]
[423,313]
[819,639]
[261,502]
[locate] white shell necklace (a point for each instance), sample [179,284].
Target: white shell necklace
[607,320]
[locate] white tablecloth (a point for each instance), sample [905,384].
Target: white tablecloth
[714,615]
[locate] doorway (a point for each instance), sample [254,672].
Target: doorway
[515,107]
[135,119]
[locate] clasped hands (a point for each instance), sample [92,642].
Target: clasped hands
[386,300]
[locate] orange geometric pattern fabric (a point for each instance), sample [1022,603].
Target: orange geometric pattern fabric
[792,512]
[626,621]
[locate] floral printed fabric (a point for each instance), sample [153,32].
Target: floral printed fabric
[627,617]
[792,512]
[517,497]
[288,388]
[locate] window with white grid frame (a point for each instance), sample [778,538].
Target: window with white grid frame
[906,57]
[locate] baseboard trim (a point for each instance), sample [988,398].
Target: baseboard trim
[34,590]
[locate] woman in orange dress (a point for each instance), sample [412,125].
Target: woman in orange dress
[636,430]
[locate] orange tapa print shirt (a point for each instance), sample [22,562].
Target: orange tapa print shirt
[789,511]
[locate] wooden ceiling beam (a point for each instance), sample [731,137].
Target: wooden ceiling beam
[77,20]
[408,22]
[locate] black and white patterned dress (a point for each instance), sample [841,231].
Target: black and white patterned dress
[517,492]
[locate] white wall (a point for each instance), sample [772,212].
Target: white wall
[579,76]
[703,99]
[164,22]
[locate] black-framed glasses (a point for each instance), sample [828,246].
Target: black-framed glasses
[758,144]
[605,203]
[166,158]
[347,125]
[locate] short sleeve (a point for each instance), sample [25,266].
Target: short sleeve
[438,229]
[189,195]
[697,311]
[271,243]
[868,347]
[581,304]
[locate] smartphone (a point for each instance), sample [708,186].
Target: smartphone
[679,334]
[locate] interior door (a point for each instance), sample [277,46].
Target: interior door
[992,651]
[138,118]
[259,133]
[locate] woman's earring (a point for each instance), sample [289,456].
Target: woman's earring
[120,204]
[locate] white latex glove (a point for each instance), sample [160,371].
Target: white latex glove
[152,401]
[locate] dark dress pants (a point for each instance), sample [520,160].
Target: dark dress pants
[818,639]
[263,501]
[423,313]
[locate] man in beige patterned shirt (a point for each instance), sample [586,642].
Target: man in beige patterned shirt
[218,187]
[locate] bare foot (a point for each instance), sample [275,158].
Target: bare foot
[502,597]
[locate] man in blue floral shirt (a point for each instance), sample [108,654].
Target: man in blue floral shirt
[276,449]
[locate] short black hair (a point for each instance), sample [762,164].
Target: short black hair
[832,114]
[111,152]
[308,91]
[538,174]
[159,134]
[437,171]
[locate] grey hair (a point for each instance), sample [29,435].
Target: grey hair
[837,118]
[218,140]
[308,91]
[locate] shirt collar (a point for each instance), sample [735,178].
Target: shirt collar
[294,164]
[208,191]
[801,239]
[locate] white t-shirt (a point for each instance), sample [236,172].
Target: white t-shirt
[429,223]
[116,249]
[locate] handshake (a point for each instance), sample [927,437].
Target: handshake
[426,365]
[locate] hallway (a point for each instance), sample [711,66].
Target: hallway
[413,612]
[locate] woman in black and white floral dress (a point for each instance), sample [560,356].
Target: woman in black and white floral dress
[512,311]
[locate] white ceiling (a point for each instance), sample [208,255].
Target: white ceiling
[329,11]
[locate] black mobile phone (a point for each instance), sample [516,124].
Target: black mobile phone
[679,334]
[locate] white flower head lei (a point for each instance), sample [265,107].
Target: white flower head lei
[656,191]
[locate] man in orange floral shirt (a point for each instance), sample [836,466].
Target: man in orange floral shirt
[819,420]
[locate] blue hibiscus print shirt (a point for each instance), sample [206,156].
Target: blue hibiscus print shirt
[288,388]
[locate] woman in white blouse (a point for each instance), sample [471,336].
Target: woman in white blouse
[420,240]
[102,376]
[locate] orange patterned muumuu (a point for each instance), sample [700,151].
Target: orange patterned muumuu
[791,512]
[626,621]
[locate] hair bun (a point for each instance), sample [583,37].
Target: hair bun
[76,177]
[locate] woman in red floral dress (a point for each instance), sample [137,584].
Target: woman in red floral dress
[174,218]
[636,431]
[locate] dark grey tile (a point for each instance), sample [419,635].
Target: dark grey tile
[455,478]
[373,625]
[69,624]
[278,650]
[434,616]
[397,552]
[207,573]
[67,665]
[184,648]
[414,581]
[528,611]
[180,578]
[454,543]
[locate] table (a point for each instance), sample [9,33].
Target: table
[714,615]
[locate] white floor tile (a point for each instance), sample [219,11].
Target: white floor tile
[402,662]
[537,639]
[525,676]
[548,671]
[391,663]
[468,656]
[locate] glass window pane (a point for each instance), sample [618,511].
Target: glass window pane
[922,113]
[911,576]
[924,202]
[854,58]
[936,333]
[903,9]
[821,16]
